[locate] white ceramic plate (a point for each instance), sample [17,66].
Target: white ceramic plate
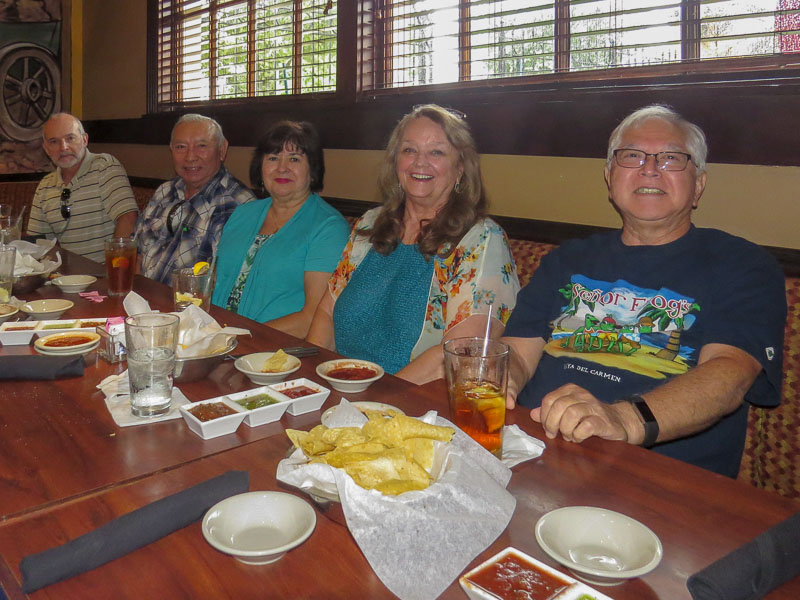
[41,344]
[599,545]
[51,308]
[258,528]
[348,386]
[251,365]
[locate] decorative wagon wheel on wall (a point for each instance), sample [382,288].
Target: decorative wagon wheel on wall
[31,90]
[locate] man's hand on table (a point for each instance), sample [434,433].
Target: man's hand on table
[578,415]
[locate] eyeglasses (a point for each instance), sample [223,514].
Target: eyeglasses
[666,161]
[66,209]
[175,217]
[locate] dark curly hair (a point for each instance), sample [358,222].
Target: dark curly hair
[465,207]
[300,135]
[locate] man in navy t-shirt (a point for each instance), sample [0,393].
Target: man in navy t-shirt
[657,333]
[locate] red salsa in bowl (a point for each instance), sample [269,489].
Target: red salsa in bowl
[352,373]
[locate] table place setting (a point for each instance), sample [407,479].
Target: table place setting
[118,401]
[408,533]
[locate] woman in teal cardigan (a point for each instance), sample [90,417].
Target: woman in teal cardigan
[276,254]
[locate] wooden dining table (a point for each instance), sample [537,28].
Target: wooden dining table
[66,469]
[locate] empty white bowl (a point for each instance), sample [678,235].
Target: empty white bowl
[258,528]
[7,311]
[349,386]
[214,427]
[598,545]
[251,365]
[73,284]
[42,310]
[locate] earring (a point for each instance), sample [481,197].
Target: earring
[458,183]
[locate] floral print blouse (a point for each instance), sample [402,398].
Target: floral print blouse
[478,273]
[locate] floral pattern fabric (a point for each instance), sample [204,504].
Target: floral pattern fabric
[236,293]
[478,273]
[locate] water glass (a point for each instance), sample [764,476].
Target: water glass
[477,381]
[10,229]
[151,340]
[120,265]
[189,288]
[8,255]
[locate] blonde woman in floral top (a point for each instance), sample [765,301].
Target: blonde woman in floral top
[426,266]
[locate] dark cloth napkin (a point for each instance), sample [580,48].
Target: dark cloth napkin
[752,571]
[129,532]
[40,367]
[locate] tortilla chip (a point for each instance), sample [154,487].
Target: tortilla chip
[310,442]
[276,363]
[395,487]
[420,450]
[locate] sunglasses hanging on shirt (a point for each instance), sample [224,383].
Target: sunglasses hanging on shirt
[66,207]
[175,218]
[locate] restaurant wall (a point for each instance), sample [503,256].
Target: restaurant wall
[761,203]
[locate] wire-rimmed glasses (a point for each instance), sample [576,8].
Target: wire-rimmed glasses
[668,160]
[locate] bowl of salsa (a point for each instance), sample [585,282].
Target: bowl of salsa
[76,342]
[302,395]
[214,417]
[263,405]
[348,375]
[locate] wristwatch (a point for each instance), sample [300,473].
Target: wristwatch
[648,419]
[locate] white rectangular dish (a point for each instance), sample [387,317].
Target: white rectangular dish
[10,337]
[572,588]
[214,427]
[304,404]
[263,414]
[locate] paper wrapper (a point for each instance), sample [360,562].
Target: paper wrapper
[418,542]
[30,258]
[198,333]
[118,401]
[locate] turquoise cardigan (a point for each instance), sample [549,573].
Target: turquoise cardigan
[312,240]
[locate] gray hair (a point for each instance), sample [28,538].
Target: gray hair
[695,138]
[216,129]
[65,114]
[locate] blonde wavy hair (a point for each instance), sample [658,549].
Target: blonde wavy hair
[466,206]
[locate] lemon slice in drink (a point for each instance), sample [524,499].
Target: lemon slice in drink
[201,268]
[186,297]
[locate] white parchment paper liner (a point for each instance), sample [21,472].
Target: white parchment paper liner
[30,258]
[198,333]
[419,542]
[118,401]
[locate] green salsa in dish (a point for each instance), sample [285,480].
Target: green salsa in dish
[253,402]
[67,325]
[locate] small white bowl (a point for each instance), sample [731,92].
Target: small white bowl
[598,545]
[43,344]
[214,427]
[7,311]
[42,310]
[348,386]
[73,284]
[258,528]
[251,365]
[21,337]
[264,414]
[303,404]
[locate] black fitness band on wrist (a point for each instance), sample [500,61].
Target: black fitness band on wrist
[651,428]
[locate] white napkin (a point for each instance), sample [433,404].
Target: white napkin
[118,401]
[198,333]
[419,542]
[26,264]
[37,250]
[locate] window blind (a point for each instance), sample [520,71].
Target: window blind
[419,42]
[225,49]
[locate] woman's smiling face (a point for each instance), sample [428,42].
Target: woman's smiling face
[428,165]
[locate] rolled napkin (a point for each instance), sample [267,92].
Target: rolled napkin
[129,532]
[752,571]
[40,367]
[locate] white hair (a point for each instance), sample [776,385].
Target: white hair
[216,129]
[695,138]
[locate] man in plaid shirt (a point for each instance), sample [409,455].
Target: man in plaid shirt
[183,222]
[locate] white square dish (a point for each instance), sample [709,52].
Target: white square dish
[214,427]
[9,337]
[264,414]
[304,404]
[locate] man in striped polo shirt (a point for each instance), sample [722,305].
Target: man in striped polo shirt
[87,199]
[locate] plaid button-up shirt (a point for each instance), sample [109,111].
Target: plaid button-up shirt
[197,233]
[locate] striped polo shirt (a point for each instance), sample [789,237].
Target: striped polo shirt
[99,194]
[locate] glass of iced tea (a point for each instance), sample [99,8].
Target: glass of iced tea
[476,384]
[120,265]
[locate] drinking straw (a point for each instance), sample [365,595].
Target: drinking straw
[482,364]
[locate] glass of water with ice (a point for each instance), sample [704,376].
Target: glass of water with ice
[151,339]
